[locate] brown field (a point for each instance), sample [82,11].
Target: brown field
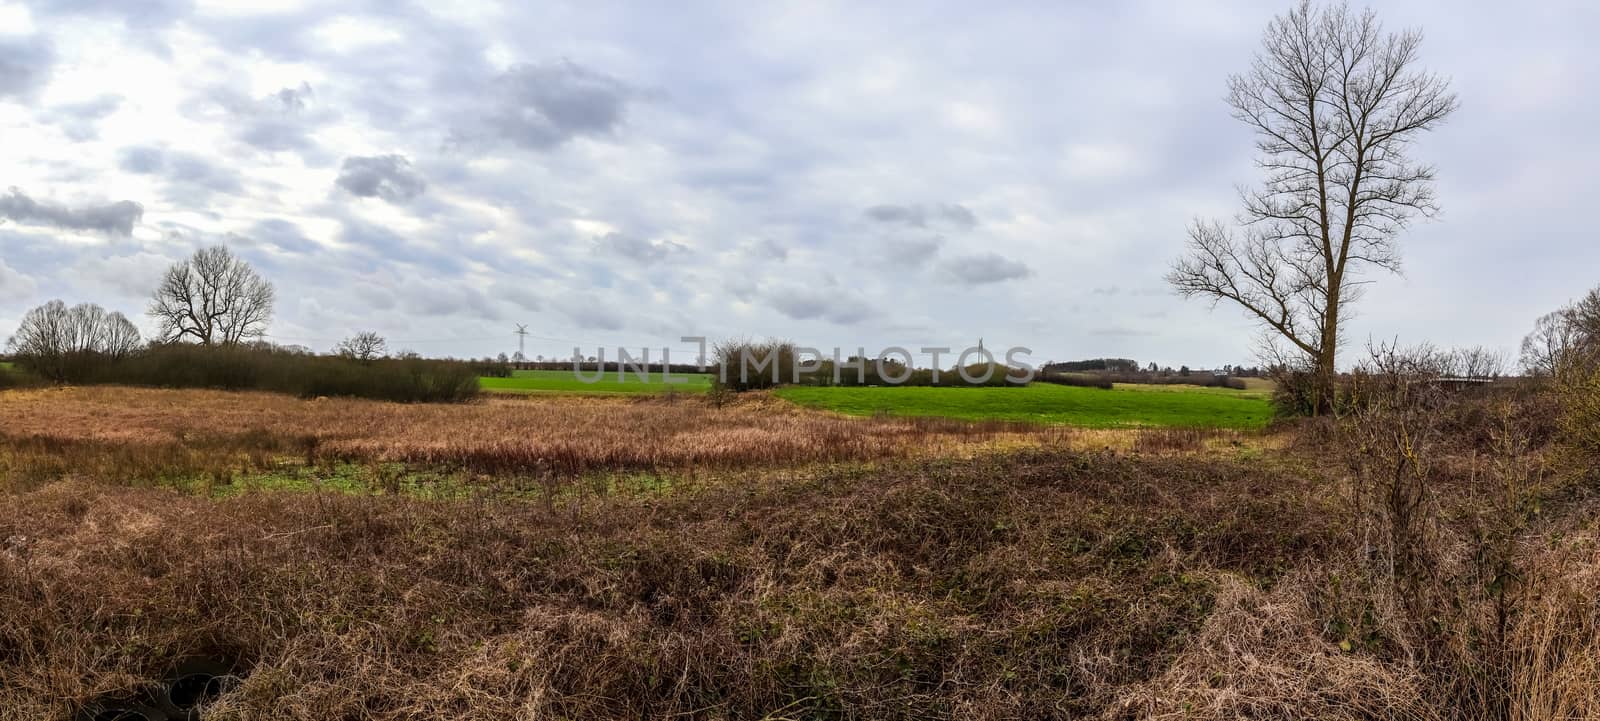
[140,434]
[818,568]
[99,431]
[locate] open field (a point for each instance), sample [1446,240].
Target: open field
[1061,585]
[535,381]
[155,433]
[1123,406]
[652,557]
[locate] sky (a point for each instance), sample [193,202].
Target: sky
[835,173]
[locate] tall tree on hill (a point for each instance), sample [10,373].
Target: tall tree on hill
[1336,104]
[213,298]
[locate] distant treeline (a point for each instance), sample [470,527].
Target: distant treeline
[1121,365]
[744,365]
[262,367]
[588,366]
[1129,367]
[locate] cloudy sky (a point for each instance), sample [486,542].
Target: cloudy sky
[838,173]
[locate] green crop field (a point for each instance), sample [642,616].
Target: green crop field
[565,381]
[1122,406]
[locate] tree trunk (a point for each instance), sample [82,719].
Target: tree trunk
[1325,375]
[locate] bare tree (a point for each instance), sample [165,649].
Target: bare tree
[1336,104]
[1563,336]
[1477,362]
[1585,319]
[213,298]
[65,344]
[365,346]
[1553,338]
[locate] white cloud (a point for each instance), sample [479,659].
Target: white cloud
[14,286]
[815,171]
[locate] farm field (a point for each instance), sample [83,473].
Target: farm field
[1122,406]
[565,381]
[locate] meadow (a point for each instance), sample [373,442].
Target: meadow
[563,381]
[1122,406]
[654,556]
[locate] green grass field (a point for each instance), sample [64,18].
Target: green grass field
[567,382]
[1122,406]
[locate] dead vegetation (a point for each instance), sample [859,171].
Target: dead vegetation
[1031,585]
[135,434]
[1419,557]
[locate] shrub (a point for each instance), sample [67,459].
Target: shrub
[1095,380]
[743,365]
[491,369]
[1157,379]
[406,380]
[16,378]
[774,363]
[1579,389]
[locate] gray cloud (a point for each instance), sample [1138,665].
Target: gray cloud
[379,245]
[143,160]
[14,286]
[25,65]
[117,218]
[1121,332]
[539,107]
[447,298]
[518,295]
[282,121]
[910,252]
[810,303]
[282,235]
[766,249]
[81,121]
[130,276]
[958,215]
[389,177]
[135,13]
[591,314]
[193,177]
[954,215]
[760,133]
[638,249]
[985,268]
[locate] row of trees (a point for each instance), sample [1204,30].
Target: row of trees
[212,312]
[212,298]
[59,343]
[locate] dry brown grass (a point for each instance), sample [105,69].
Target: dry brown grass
[98,432]
[1031,585]
[830,567]
[142,435]
[1261,655]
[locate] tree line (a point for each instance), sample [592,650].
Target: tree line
[212,312]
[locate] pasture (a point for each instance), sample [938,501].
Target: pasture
[1125,406]
[568,382]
